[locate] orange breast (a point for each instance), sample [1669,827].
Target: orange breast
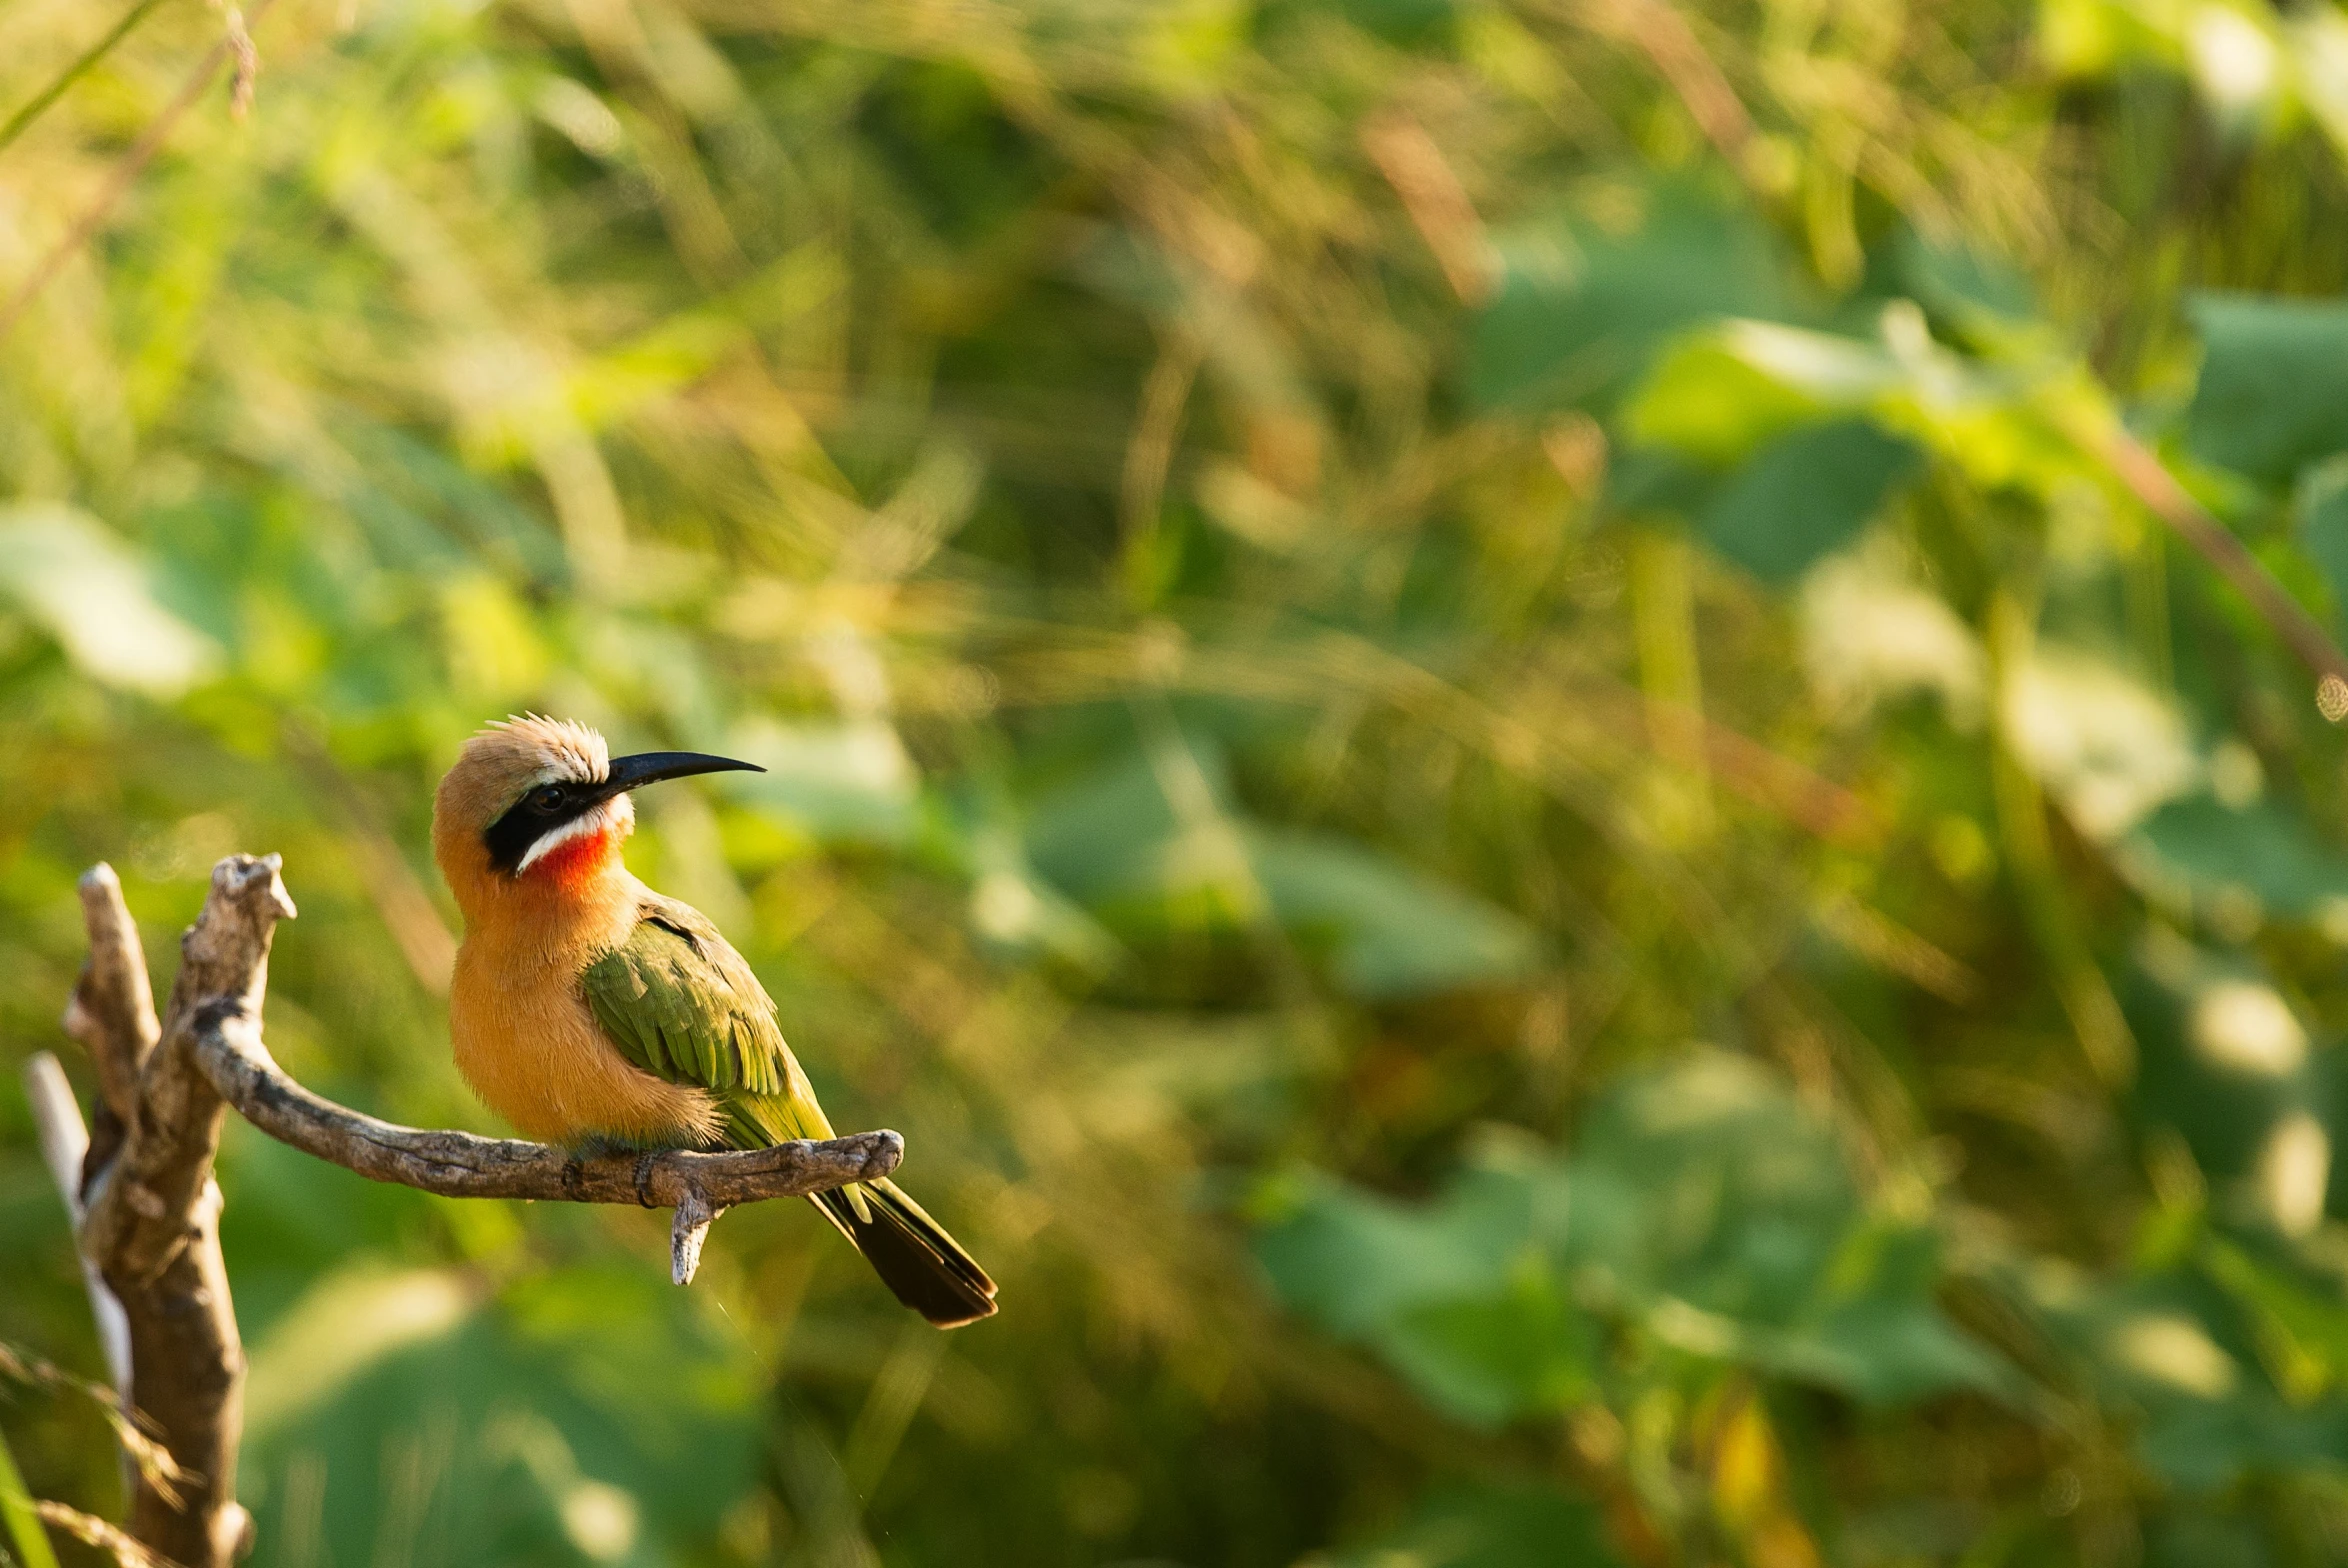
[529,1045]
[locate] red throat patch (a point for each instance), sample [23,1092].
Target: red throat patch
[572,865]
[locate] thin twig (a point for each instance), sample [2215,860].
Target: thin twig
[112,1011]
[65,1144]
[93,1531]
[1679,56]
[126,173]
[153,1460]
[248,59]
[74,72]
[2150,481]
[1438,204]
[1158,425]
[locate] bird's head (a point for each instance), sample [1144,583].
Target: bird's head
[542,803]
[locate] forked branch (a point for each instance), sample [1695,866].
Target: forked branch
[150,1221]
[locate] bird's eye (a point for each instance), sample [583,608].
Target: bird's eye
[546,798]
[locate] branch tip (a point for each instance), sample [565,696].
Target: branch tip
[688,1229]
[241,876]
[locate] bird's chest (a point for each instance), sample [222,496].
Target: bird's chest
[529,1045]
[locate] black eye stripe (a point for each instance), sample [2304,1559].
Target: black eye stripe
[527,821]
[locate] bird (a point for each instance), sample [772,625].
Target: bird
[592,1013]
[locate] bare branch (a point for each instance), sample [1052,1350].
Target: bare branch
[460,1165]
[152,1225]
[220,1019]
[139,1220]
[57,1121]
[112,1013]
[688,1229]
[153,1221]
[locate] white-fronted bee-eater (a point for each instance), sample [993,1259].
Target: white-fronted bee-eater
[591,1012]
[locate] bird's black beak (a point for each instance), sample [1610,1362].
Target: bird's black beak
[650,767]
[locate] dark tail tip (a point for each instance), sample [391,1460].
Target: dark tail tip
[923,1267]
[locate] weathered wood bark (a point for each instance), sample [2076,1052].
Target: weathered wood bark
[65,1147]
[151,1224]
[228,1049]
[152,1221]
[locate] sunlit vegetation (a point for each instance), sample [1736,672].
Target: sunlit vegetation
[1487,716]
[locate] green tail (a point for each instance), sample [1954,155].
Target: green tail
[913,1255]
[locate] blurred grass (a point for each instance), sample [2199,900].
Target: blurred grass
[1461,719]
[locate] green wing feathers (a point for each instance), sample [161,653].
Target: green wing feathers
[680,1003]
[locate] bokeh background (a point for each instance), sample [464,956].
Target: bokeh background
[1472,714]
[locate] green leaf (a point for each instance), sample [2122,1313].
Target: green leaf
[1102,834]
[1386,930]
[1804,496]
[25,1531]
[2322,512]
[1737,1197]
[1392,931]
[1709,402]
[1658,479]
[2273,395]
[580,1415]
[1703,1206]
[2263,849]
[1355,1260]
[1964,285]
[1581,307]
[67,572]
[2295,1301]
[1405,22]
[847,780]
[1886,1352]
[1488,1360]
[2207,1446]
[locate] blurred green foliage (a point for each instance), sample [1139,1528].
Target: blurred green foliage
[1463,719]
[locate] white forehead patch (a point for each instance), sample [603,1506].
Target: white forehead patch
[564,752]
